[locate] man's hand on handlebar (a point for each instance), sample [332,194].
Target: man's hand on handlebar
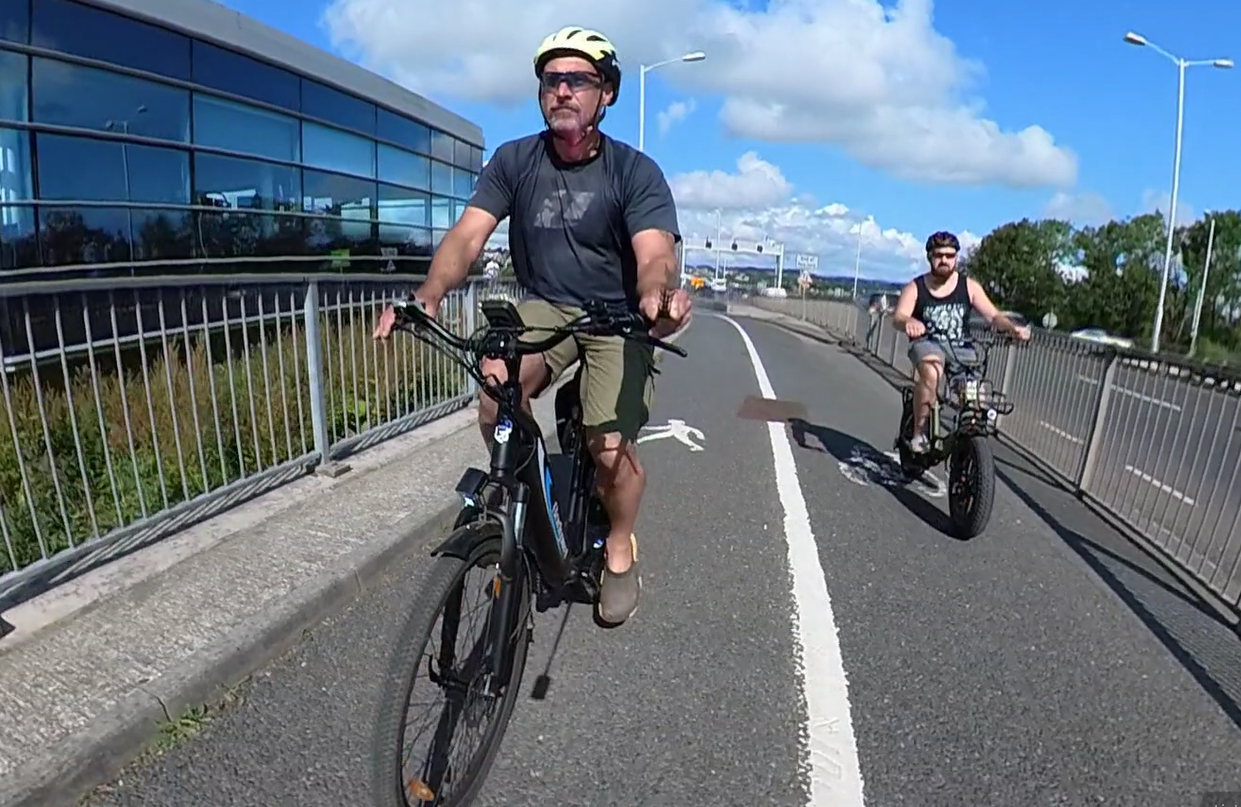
[668,318]
[1021,332]
[914,329]
[387,319]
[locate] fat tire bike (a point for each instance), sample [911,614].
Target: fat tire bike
[535,556]
[972,407]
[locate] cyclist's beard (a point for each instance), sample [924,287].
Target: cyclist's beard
[942,271]
[572,131]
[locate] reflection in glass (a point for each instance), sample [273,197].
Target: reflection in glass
[414,241]
[82,168]
[441,212]
[248,233]
[403,206]
[404,132]
[19,247]
[15,174]
[241,75]
[71,95]
[162,234]
[334,106]
[232,182]
[441,178]
[15,21]
[13,94]
[458,207]
[84,235]
[404,168]
[462,183]
[246,129]
[334,150]
[441,145]
[82,30]
[347,201]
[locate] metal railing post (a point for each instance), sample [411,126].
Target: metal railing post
[314,377]
[470,323]
[1091,458]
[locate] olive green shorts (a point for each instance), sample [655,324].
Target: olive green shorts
[617,373]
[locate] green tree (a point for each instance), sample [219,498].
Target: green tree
[1019,264]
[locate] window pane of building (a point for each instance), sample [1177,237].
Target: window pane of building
[404,132]
[15,20]
[334,106]
[348,202]
[248,233]
[234,73]
[334,150]
[408,241]
[441,212]
[71,95]
[246,129]
[71,235]
[441,178]
[458,207]
[404,206]
[441,145]
[231,182]
[13,96]
[93,33]
[16,223]
[161,235]
[462,183]
[403,168]
[86,169]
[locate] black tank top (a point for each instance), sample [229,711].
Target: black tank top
[944,317]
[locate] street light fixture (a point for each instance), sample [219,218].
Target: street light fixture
[1222,64]
[695,56]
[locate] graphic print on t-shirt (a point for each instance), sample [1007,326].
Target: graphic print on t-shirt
[945,320]
[557,210]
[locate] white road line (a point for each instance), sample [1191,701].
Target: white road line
[1059,432]
[1176,494]
[835,772]
[1094,382]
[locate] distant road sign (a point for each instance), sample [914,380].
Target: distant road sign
[807,262]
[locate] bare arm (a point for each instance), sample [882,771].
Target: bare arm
[655,251]
[983,305]
[458,251]
[904,310]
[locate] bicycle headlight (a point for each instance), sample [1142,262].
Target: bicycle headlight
[973,391]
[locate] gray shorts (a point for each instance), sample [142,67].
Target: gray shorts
[924,349]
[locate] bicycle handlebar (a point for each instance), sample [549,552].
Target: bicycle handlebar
[498,340]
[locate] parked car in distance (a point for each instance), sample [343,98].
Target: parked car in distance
[1103,337]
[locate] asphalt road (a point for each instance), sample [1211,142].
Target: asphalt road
[1000,671]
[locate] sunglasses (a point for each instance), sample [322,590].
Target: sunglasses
[946,256]
[577,80]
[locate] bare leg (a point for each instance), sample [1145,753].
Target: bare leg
[926,386]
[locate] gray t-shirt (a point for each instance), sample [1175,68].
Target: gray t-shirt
[571,225]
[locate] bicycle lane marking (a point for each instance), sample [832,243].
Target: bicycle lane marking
[835,770]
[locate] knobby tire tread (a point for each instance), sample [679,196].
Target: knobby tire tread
[972,522]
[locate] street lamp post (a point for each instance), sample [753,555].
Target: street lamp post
[1181,64]
[696,56]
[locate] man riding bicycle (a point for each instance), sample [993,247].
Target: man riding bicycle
[590,219]
[937,304]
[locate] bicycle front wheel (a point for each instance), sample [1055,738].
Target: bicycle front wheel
[442,652]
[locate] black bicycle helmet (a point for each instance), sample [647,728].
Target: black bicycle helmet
[942,239]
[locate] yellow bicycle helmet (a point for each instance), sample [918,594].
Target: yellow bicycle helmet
[590,45]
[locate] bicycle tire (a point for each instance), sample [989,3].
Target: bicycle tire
[968,521]
[439,582]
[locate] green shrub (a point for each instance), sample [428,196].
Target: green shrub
[177,419]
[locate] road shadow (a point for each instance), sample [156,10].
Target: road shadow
[885,472]
[1196,634]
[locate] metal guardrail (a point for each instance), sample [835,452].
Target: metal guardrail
[134,407]
[1154,443]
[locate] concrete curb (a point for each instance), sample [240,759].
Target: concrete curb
[116,737]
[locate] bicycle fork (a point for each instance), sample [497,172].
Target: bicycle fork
[506,591]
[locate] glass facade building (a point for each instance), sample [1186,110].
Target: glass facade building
[175,136]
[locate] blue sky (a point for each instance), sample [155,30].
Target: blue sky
[1059,65]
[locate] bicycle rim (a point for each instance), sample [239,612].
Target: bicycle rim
[436,771]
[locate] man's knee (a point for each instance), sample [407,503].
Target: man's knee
[614,456]
[927,372]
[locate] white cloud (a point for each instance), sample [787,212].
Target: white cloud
[1160,202]
[758,202]
[881,84]
[756,184]
[1082,209]
[676,112]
